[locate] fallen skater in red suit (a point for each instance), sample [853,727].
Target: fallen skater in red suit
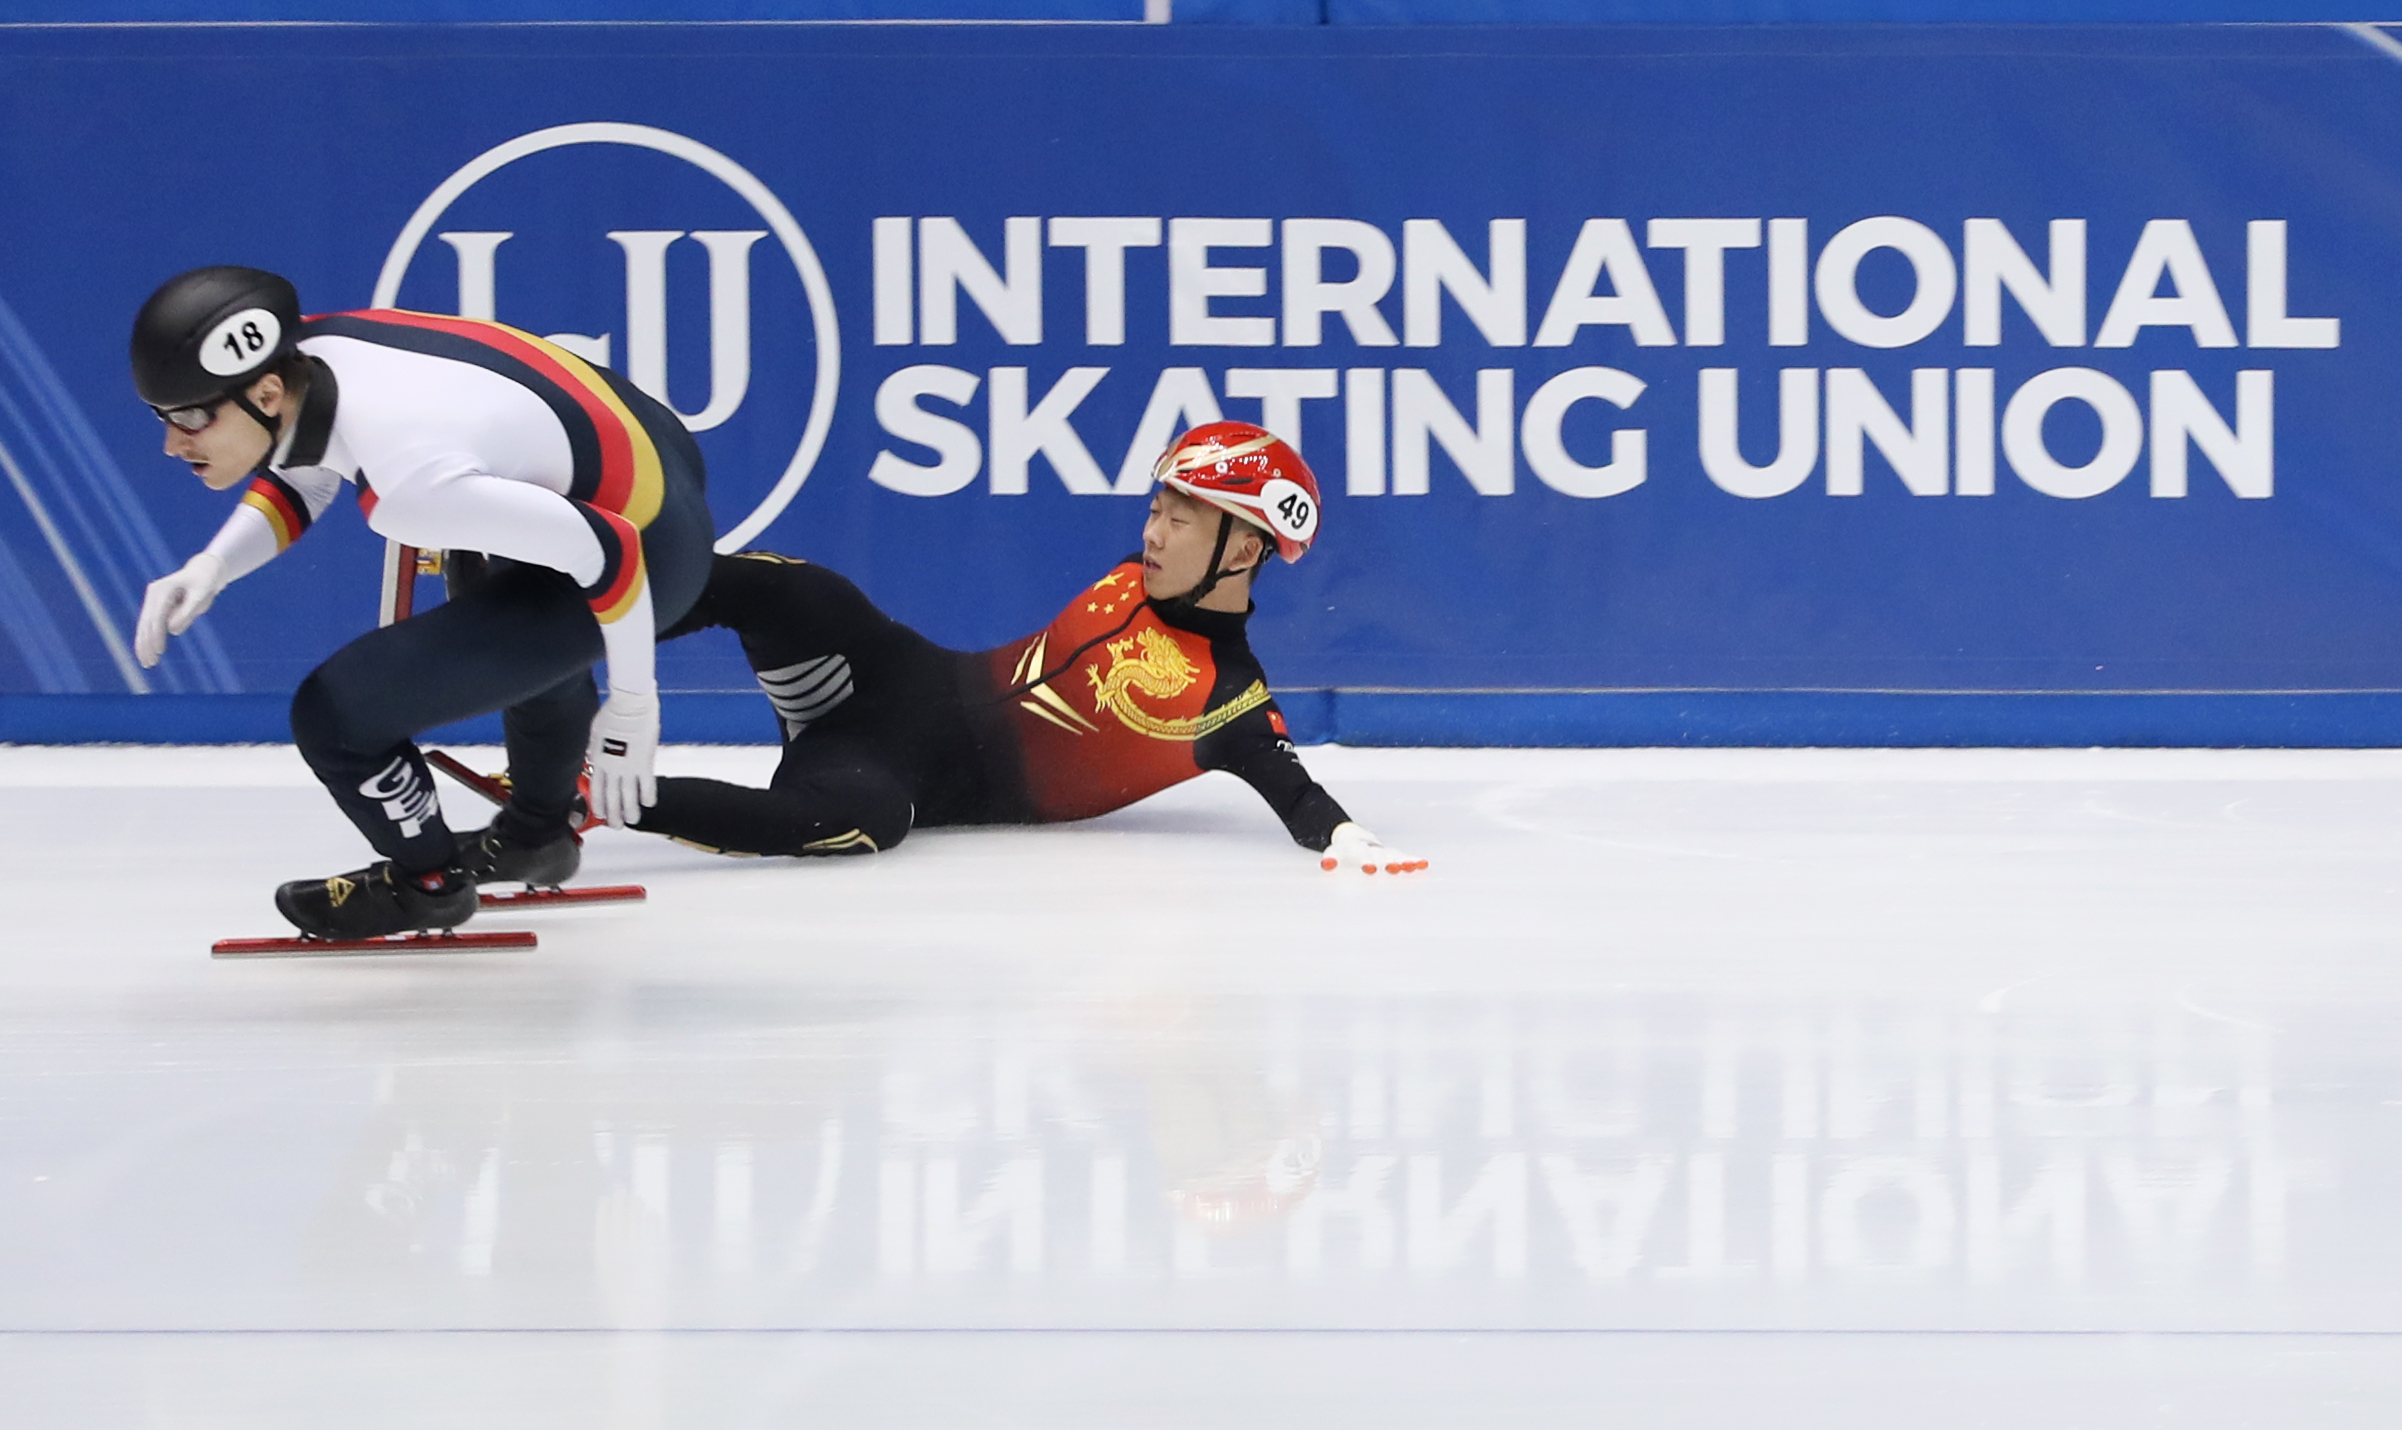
[1145,680]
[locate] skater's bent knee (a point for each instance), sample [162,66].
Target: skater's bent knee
[325,723]
[864,797]
[884,829]
[316,717]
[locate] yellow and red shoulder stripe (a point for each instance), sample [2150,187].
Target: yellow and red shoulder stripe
[622,573]
[616,463]
[287,515]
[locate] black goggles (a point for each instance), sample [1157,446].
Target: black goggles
[191,419]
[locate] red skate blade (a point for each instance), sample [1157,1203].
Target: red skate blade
[492,788]
[305,947]
[543,898]
[484,785]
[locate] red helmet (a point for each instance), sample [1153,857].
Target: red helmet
[1251,473]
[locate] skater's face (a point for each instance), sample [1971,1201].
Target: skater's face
[224,449]
[1177,540]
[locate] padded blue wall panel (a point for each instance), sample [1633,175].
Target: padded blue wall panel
[88,12]
[1847,12]
[1207,12]
[1490,570]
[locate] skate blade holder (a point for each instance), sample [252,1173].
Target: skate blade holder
[494,788]
[538,898]
[307,947]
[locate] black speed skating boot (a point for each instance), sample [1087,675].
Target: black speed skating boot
[503,854]
[375,901]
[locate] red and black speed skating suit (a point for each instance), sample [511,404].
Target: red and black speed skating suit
[1117,698]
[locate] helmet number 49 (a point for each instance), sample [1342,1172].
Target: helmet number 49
[1291,507]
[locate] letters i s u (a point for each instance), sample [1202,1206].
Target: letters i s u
[646,310]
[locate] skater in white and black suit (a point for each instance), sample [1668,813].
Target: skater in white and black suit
[459,435]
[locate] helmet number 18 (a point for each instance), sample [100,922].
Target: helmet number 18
[237,344]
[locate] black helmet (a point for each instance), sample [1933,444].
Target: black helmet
[210,332]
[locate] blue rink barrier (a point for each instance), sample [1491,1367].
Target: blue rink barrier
[1764,384]
[1198,12]
[1847,718]
[1841,12]
[2347,720]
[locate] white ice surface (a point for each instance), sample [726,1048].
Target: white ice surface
[1689,1088]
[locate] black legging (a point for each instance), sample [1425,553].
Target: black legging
[522,641]
[894,751]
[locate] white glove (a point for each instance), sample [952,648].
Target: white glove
[173,602]
[625,740]
[1355,848]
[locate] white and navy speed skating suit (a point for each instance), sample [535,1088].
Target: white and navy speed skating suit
[467,435]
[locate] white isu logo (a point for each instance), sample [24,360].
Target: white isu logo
[644,357]
[407,800]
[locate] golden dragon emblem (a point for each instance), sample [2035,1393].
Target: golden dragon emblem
[1161,671]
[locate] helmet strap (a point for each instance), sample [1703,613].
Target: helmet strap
[1209,581]
[241,398]
[1217,572]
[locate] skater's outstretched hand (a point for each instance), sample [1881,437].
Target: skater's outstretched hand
[1355,848]
[173,602]
[625,742]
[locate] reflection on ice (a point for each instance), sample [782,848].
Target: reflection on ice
[1337,1162]
[1924,1041]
